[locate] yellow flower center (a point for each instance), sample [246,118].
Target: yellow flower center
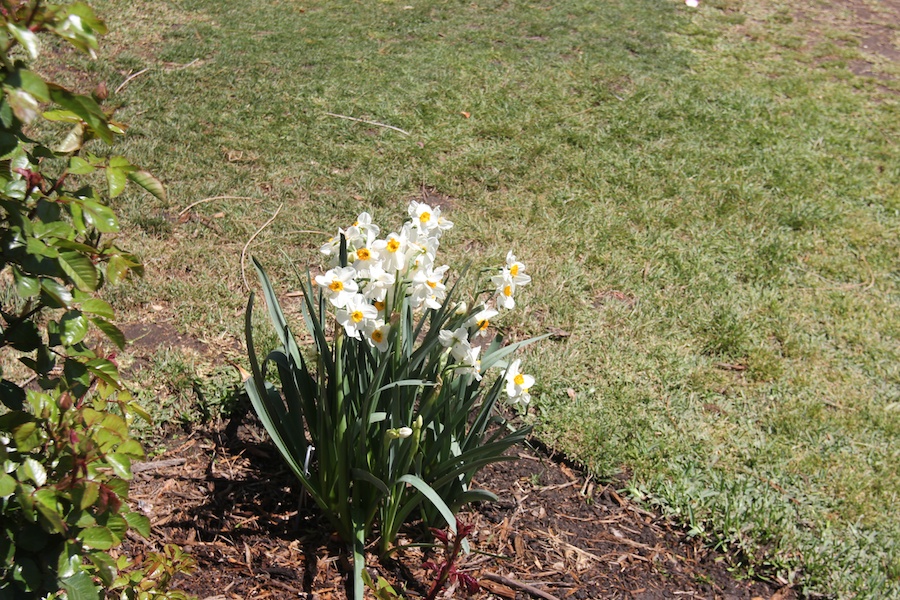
[336,285]
[424,217]
[363,254]
[507,291]
[514,270]
[431,284]
[483,324]
[357,316]
[519,379]
[379,305]
[378,336]
[393,245]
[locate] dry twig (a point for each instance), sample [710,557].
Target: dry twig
[376,123]
[519,585]
[250,241]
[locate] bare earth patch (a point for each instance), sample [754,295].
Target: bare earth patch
[224,496]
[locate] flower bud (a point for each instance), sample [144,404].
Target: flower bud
[461,308]
[101,92]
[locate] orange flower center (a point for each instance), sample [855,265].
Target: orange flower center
[336,285]
[357,316]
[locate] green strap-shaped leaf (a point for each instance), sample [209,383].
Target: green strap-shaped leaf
[368,477]
[433,497]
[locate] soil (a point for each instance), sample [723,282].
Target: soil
[224,496]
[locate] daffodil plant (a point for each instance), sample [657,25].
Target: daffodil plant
[389,413]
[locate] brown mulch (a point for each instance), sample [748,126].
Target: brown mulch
[224,496]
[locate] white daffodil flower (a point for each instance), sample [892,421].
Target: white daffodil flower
[377,334]
[339,285]
[505,288]
[470,363]
[516,270]
[366,226]
[392,252]
[457,341]
[518,383]
[481,321]
[355,314]
[378,283]
[428,287]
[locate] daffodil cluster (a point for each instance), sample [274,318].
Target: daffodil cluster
[370,274]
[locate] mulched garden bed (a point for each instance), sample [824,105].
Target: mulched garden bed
[224,496]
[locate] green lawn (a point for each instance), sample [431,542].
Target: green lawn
[707,198]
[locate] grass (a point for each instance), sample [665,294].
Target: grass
[707,198]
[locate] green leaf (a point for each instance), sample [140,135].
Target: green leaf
[49,509]
[105,370]
[117,526]
[99,216]
[115,180]
[86,108]
[30,82]
[64,116]
[89,494]
[149,183]
[69,560]
[56,295]
[27,573]
[7,485]
[139,523]
[26,286]
[132,449]
[121,464]
[73,141]
[98,307]
[33,470]
[80,269]
[88,17]
[27,38]
[11,395]
[98,538]
[79,166]
[80,586]
[73,327]
[433,497]
[117,269]
[23,336]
